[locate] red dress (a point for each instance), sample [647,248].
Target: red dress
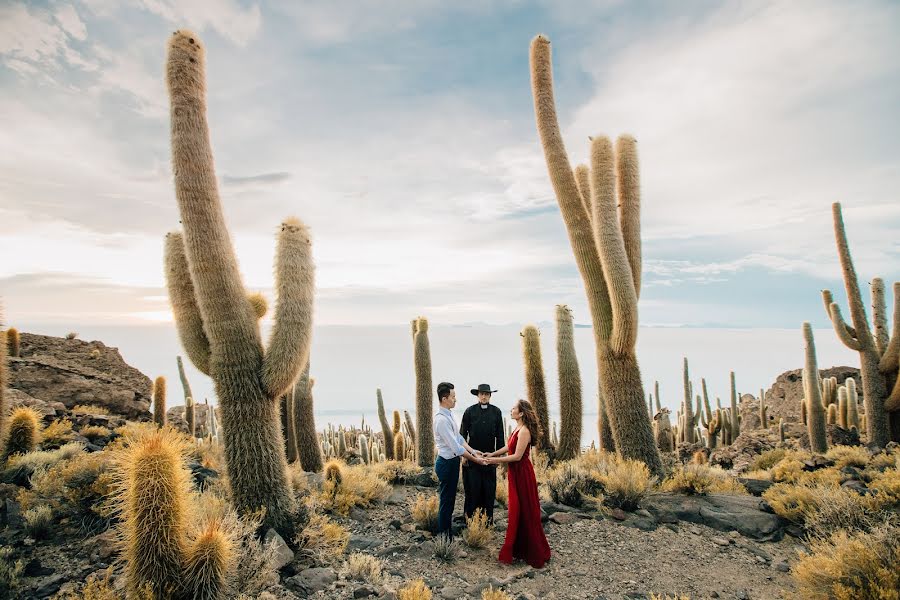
[525,537]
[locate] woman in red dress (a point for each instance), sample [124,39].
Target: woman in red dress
[525,537]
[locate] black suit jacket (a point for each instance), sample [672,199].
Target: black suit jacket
[483,427]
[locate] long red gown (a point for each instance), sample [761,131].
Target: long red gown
[525,537]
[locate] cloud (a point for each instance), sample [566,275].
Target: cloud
[40,39]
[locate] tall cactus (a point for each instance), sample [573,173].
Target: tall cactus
[424,395]
[570,403]
[735,416]
[410,427]
[852,404]
[159,401]
[189,413]
[607,245]
[309,453]
[879,353]
[687,405]
[536,390]
[763,417]
[217,323]
[812,389]
[385,427]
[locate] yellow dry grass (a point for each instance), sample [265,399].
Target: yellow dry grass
[694,479]
[416,590]
[424,511]
[478,532]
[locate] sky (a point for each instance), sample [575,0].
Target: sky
[402,133]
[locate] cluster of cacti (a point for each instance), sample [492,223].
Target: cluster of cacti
[879,350]
[346,444]
[536,389]
[568,441]
[159,401]
[163,556]
[212,423]
[424,394]
[12,342]
[217,323]
[601,209]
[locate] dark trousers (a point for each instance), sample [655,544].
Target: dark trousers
[447,472]
[480,484]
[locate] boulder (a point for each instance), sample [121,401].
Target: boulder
[75,372]
[744,514]
[48,410]
[742,452]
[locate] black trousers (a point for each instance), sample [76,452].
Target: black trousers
[480,485]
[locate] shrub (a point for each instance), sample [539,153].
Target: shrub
[38,521]
[492,594]
[396,471]
[861,566]
[95,432]
[787,470]
[417,590]
[58,432]
[478,531]
[424,511]
[358,487]
[887,485]
[10,572]
[445,548]
[364,567]
[322,539]
[700,480]
[768,459]
[29,463]
[835,509]
[852,456]
[90,409]
[793,502]
[569,485]
[625,483]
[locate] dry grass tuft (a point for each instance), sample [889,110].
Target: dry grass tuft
[848,456]
[424,511]
[357,486]
[444,548]
[90,409]
[322,539]
[503,491]
[492,594]
[793,502]
[58,432]
[396,471]
[416,590]
[364,567]
[861,566]
[625,483]
[38,521]
[478,532]
[95,432]
[701,480]
[10,573]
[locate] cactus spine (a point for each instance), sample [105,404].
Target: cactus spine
[812,388]
[159,401]
[12,342]
[879,353]
[217,323]
[424,395]
[687,405]
[385,427]
[309,452]
[536,389]
[570,404]
[607,247]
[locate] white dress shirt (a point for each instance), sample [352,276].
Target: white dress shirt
[446,435]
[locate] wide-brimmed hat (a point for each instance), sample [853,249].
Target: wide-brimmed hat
[482,387]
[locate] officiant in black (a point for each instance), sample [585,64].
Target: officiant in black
[482,428]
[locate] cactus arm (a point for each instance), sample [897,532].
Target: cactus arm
[184,380]
[879,316]
[288,349]
[628,181]
[893,401]
[611,246]
[890,360]
[578,225]
[854,297]
[583,181]
[185,311]
[842,330]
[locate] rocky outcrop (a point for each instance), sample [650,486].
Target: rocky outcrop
[175,418]
[783,398]
[72,372]
[747,515]
[741,454]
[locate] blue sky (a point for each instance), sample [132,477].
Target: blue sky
[403,134]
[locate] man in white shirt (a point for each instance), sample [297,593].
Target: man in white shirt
[450,447]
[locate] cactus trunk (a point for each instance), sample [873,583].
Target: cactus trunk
[424,396]
[536,389]
[385,427]
[815,412]
[570,400]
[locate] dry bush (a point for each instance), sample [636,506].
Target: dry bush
[492,594]
[80,488]
[322,539]
[478,532]
[885,460]
[701,480]
[570,485]
[793,502]
[58,433]
[364,567]
[861,566]
[424,511]
[95,432]
[396,471]
[358,487]
[838,508]
[757,474]
[541,464]
[297,478]
[668,597]
[848,456]
[768,459]
[210,454]
[503,491]
[10,573]
[787,470]
[887,486]
[625,483]
[38,521]
[90,409]
[26,464]
[416,590]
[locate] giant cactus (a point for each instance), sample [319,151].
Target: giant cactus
[424,396]
[217,322]
[570,405]
[607,245]
[385,427]
[879,352]
[536,389]
[812,391]
[735,416]
[687,404]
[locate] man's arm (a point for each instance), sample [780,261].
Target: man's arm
[444,430]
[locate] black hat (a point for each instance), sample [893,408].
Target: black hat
[482,387]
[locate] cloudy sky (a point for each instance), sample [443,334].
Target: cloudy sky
[402,132]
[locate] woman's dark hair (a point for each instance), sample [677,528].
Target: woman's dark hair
[530,420]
